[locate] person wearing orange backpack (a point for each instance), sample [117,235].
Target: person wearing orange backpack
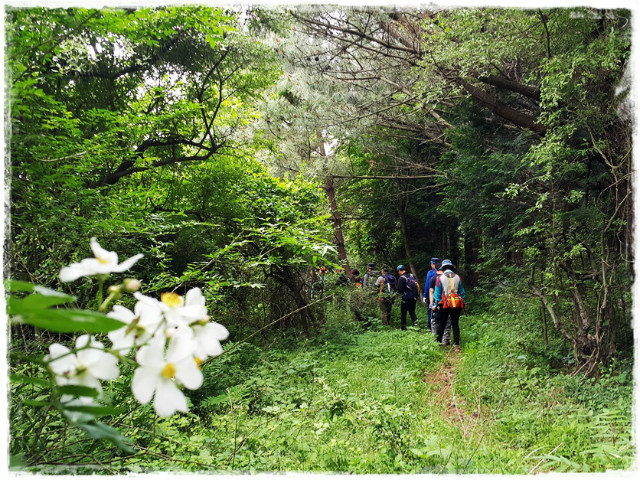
[448,298]
[435,313]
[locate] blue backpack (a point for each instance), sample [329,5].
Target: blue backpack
[391,281]
[412,287]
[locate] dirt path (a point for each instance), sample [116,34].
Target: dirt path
[442,386]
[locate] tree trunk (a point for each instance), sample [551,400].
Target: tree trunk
[337,224]
[285,277]
[544,326]
[402,210]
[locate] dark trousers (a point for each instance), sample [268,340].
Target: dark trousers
[452,314]
[407,305]
[429,319]
[434,326]
[385,309]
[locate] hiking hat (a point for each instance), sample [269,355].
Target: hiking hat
[371,265]
[435,260]
[401,267]
[447,263]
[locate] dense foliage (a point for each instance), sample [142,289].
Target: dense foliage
[517,122]
[242,150]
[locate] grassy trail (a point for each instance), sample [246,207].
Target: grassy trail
[390,401]
[441,386]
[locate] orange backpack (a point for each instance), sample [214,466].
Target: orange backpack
[452,300]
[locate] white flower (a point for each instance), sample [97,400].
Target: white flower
[141,325]
[208,337]
[160,371]
[61,361]
[178,310]
[104,262]
[86,367]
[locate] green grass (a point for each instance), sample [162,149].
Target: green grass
[350,400]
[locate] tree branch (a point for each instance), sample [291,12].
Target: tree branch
[527,90]
[502,110]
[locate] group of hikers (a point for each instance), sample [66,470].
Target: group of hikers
[443,293]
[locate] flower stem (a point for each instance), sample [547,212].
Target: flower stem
[101,279]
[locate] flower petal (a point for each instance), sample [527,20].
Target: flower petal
[181,345]
[194,297]
[56,350]
[127,264]
[83,340]
[72,272]
[152,354]
[105,368]
[169,399]
[122,342]
[87,380]
[144,383]
[121,313]
[194,312]
[90,350]
[106,256]
[220,331]
[61,360]
[207,337]
[188,374]
[147,302]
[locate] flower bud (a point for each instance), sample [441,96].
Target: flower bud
[114,289]
[170,332]
[132,284]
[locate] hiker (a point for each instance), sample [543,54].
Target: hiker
[386,285]
[370,276]
[408,288]
[358,299]
[426,295]
[355,277]
[317,287]
[341,279]
[435,313]
[448,298]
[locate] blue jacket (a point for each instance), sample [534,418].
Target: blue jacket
[430,274]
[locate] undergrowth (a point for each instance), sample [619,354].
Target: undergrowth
[354,400]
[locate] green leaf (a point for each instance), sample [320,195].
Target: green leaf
[36,403]
[100,431]
[29,380]
[64,320]
[39,300]
[18,286]
[97,410]
[78,391]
